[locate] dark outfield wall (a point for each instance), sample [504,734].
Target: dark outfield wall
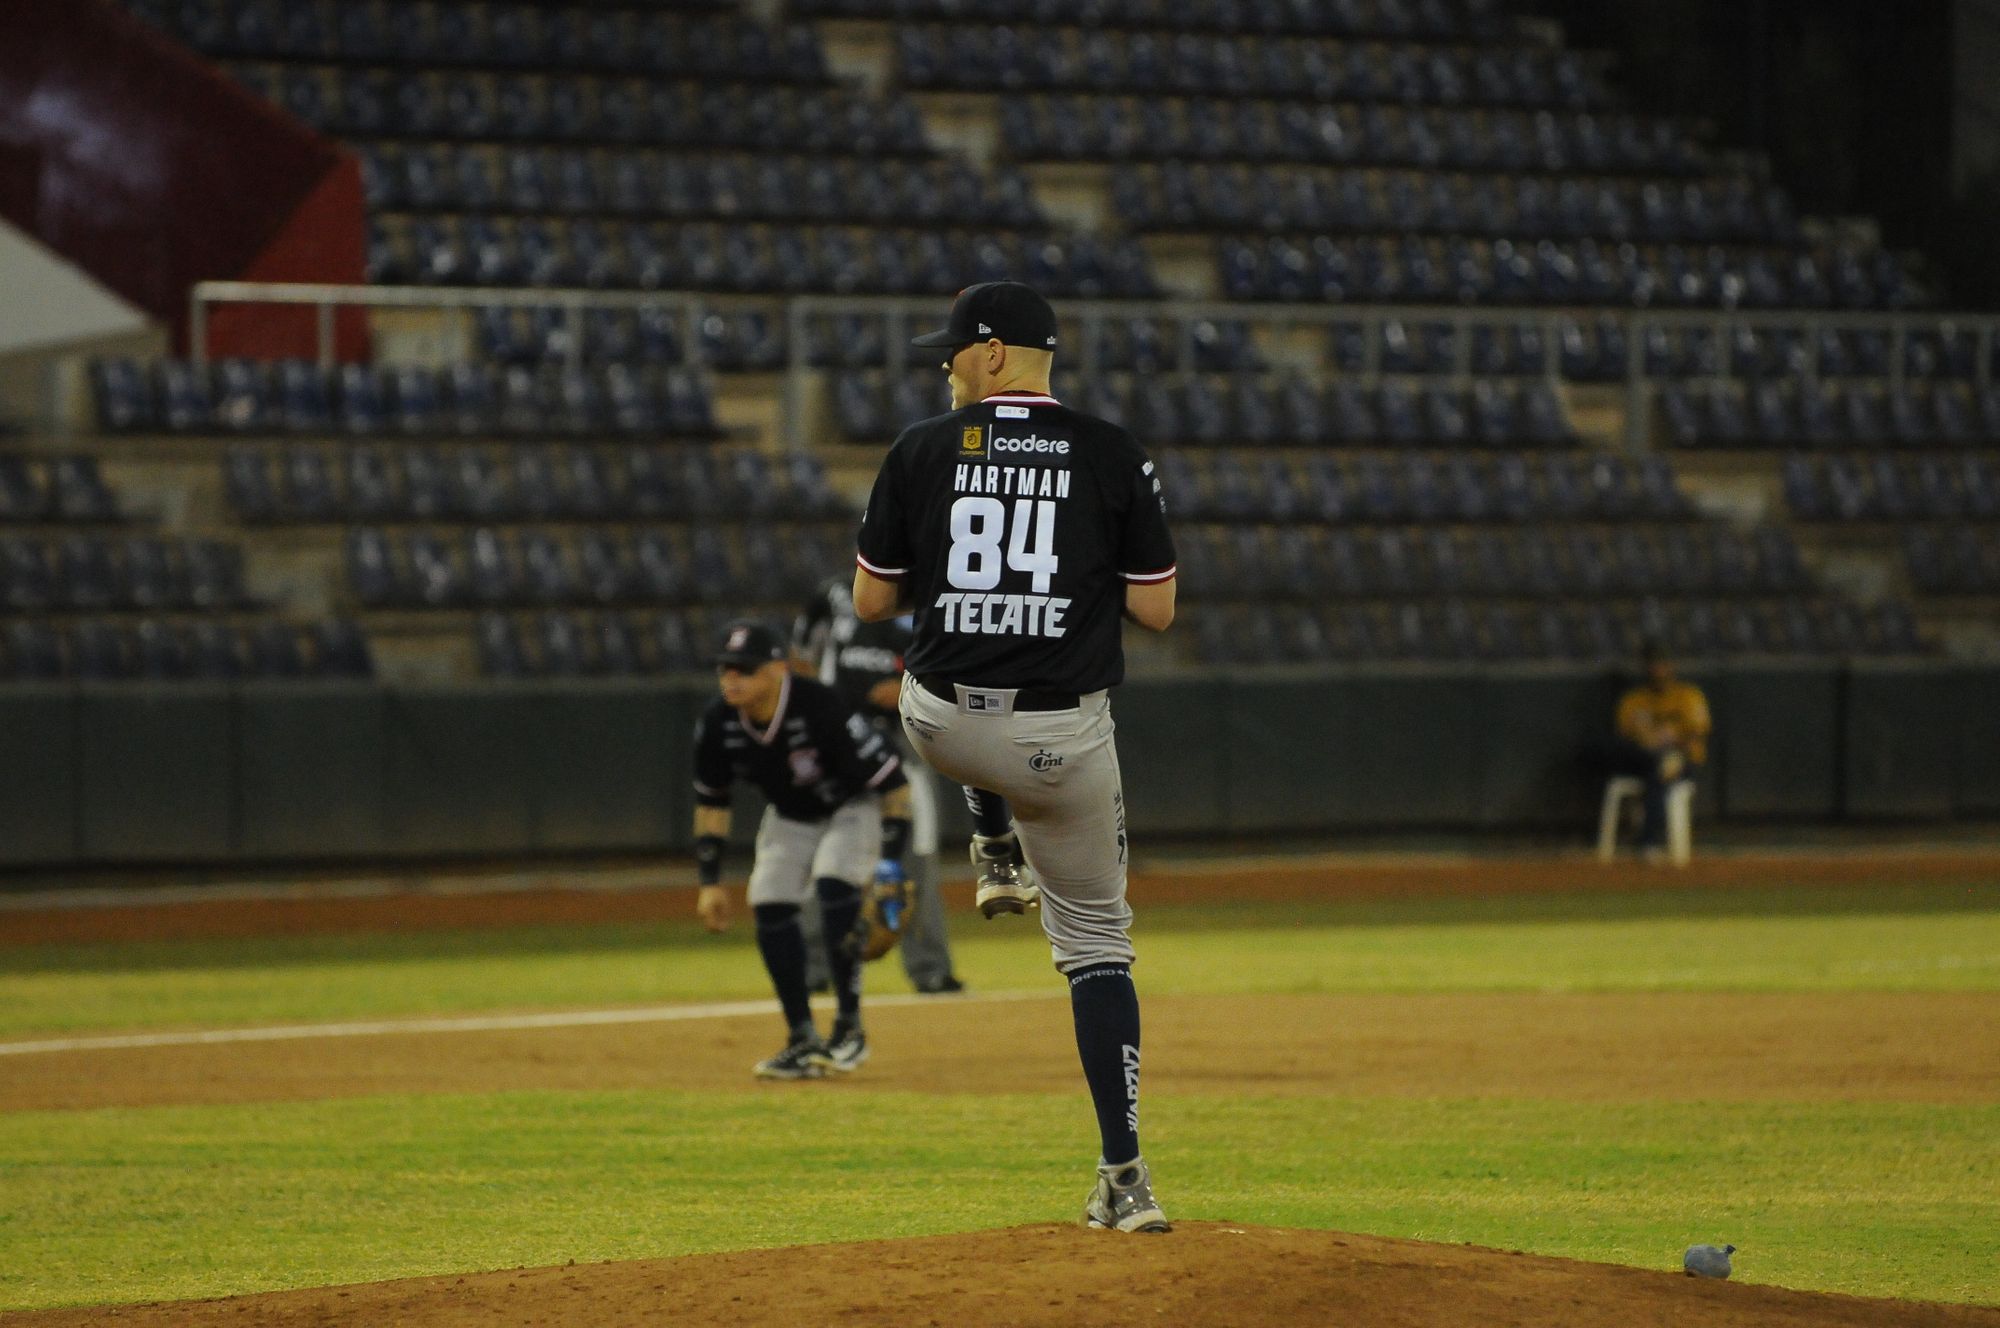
[341,772]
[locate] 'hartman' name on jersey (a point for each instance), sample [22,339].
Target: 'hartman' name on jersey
[1014,481]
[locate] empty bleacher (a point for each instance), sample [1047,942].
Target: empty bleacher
[1402,484]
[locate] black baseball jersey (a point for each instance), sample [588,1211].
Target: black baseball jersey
[813,758]
[851,656]
[1017,523]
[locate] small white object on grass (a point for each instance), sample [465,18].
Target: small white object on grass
[1707,1260]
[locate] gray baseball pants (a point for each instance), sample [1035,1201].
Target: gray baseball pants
[791,855]
[1058,769]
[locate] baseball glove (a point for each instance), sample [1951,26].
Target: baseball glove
[885,911]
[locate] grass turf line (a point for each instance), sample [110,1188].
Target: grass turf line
[117,1205]
[1891,939]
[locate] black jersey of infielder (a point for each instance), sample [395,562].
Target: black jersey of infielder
[1016,523]
[813,758]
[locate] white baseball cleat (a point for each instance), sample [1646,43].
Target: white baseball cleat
[1006,885]
[1123,1200]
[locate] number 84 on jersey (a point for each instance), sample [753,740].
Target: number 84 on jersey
[988,540]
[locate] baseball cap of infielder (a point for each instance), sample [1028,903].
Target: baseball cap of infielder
[749,645]
[1015,313]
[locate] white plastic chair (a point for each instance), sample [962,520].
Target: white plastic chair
[1680,817]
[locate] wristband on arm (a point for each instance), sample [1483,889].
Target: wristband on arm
[708,859]
[895,837]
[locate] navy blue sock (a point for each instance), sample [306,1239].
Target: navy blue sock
[990,814]
[1106,1009]
[783,946]
[840,907]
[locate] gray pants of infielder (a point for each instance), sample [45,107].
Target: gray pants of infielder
[1058,769]
[925,949]
[791,855]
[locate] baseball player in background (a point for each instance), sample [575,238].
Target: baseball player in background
[863,662]
[837,806]
[1018,532]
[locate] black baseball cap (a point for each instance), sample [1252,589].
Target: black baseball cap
[749,645]
[1015,313]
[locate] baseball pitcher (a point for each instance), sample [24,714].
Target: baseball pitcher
[1017,532]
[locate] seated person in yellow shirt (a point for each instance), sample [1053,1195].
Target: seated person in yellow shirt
[1663,728]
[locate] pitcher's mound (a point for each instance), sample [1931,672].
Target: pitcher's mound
[1204,1274]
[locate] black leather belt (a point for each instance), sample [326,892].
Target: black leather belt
[1027,698]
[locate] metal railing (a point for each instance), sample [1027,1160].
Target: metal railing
[902,315]
[1641,385]
[326,300]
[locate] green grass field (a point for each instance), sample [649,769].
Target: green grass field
[1876,1198]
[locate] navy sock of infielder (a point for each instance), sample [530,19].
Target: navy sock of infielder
[990,814]
[840,907]
[783,946]
[1106,1008]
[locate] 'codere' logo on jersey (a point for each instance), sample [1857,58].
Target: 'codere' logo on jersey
[1032,443]
[972,443]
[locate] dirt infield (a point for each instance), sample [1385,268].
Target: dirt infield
[1607,1047]
[456,903]
[1602,1046]
[1202,1275]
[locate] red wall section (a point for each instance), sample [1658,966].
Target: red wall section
[131,157]
[322,235]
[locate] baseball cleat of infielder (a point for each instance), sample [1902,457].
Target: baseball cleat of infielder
[847,1047]
[802,1058]
[1006,885]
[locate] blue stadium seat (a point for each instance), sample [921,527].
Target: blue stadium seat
[489,570]
[299,397]
[150,580]
[415,406]
[604,574]
[274,651]
[183,397]
[537,494]
[340,649]
[546,575]
[124,396]
[499,645]
[77,491]
[86,574]
[21,495]
[618,650]
[214,652]
[159,653]
[214,575]
[468,485]
[561,646]
[370,489]
[242,396]
[435,579]
[363,400]
[27,580]
[101,652]
[308,487]
[34,651]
